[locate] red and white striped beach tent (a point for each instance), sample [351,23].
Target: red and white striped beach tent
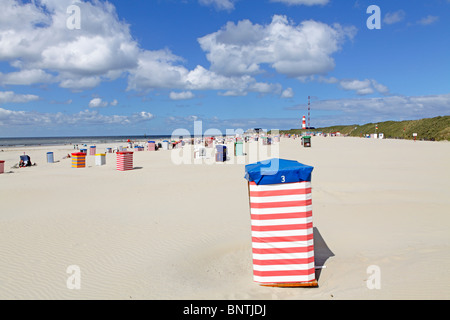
[281,223]
[124,161]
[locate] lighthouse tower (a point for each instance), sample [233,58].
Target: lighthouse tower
[304,122]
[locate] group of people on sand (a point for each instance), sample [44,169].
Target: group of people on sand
[28,163]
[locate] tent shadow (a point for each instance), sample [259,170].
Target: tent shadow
[321,252]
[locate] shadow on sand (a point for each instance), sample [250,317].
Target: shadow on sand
[321,252]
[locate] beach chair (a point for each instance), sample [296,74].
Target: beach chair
[306,141]
[199,152]
[25,161]
[221,153]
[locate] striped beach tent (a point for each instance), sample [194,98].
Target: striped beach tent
[124,161]
[281,223]
[79,160]
[151,146]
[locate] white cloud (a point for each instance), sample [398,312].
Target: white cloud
[182,120]
[161,70]
[428,20]
[157,69]
[394,17]
[25,77]
[302,2]
[19,118]
[11,97]
[203,79]
[288,93]
[79,83]
[233,93]
[363,110]
[87,117]
[69,101]
[97,103]
[381,88]
[265,88]
[141,116]
[185,95]
[363,87]
[292,50]
[224,126]
[360,87]
[34,38]
[219,4]
[327,80]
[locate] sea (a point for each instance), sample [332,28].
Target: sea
[49,141]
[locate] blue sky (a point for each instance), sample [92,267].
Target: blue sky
[150,67]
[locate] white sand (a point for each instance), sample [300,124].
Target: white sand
[166,231]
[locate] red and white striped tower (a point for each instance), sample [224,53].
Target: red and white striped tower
[304,123]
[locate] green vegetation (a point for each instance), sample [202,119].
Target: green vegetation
[437,128]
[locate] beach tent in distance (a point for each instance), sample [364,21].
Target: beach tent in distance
[79,160]
[221,153]
[165,145]
[306,141]
[238,148]
[281,223]
[199,152]
[124,161]
[151,146]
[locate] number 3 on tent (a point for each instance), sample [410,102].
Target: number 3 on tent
[283,179]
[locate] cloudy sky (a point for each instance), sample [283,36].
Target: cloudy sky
[137,67]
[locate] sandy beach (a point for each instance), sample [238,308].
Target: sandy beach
[182,231]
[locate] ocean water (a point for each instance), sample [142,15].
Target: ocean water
[48,141]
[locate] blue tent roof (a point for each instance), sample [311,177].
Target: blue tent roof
[276,171]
